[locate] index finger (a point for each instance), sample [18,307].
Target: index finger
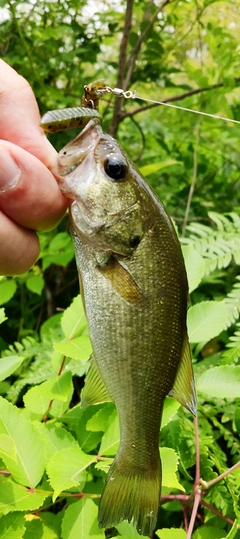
[19,116]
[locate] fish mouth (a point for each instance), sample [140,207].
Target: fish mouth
[74,153]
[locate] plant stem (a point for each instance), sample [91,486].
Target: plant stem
[197,476]
[197,490]
[216,512]
[122,66]
[208,484]
[197,500]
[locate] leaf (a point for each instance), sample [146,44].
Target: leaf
[78,348]
[37,529]
[169,460]
[154,167]
[2,316]
[172,533]
[233,532]
[206,320]
[7,290]
[220,382]
[25,460]
[60,251]
[54,438]
[100,420]
[128,531]
[35,284]
[15,497]
[65,469]
[12,526]
[74,321]
[9,364]
[80,520]
[111,437]
[208,532]
[170,409]
[59,388]
[195,266]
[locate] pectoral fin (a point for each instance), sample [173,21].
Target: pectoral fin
[94,391]
[184,388]
[121,280]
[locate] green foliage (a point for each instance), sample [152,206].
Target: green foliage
[54,455]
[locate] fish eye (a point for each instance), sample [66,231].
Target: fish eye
[115,168]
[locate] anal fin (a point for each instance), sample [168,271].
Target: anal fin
[94,390]
[184,388]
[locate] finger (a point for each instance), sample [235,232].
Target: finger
[29,193]
[19,247]
[19,116]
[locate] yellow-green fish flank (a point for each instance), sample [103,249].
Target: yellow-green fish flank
[134,285]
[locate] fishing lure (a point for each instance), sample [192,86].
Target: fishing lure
[63,119]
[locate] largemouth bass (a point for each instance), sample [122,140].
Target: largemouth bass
[134,287]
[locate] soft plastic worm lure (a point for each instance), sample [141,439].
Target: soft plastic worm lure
[59,120]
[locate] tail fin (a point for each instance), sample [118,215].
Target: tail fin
[131,493]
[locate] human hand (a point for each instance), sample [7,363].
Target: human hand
[30,198]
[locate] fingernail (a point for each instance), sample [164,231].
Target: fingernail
[10,173]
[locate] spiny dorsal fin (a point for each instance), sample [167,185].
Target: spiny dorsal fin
[184,388]
[121,281]
[94,391]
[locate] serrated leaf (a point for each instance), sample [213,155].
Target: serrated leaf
[220,382]
[9,364]
[111,437]
[87,439]
[65,469]
[12,526]
[37,529]
[101,420]
[206,320]
[169,410]
[78,348]
[169,460]
[60,251]
[7,290]
[35,284]
[80,520]
[171,533]
[28,466]
[15,497]
[208,532]
[195,266]
[74,321]
[54,438]
[60,388]
[2,316]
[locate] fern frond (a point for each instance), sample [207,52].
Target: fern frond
[232,353]
[232,302]
[218,245]
[28,347]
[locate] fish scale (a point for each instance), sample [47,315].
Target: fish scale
[134,285]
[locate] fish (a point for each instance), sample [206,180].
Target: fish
[134,288]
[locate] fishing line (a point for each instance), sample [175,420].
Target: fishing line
[184,108]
